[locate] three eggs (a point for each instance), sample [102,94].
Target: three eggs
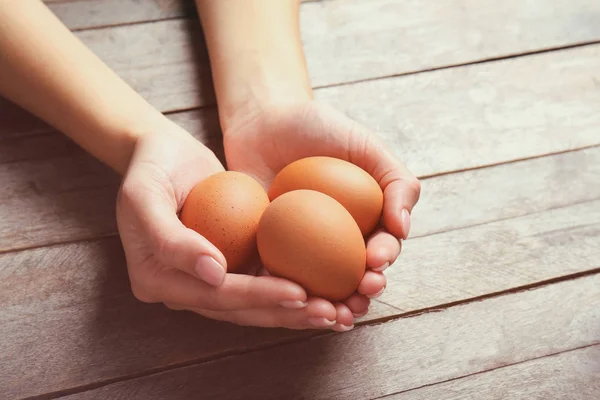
[309,228]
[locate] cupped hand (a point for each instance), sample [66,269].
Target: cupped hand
[263,141]
[171,264]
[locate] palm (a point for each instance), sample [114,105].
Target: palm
[166,169]
[170,263]
[273,140]
[265,146]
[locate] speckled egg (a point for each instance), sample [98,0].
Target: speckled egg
[226,208]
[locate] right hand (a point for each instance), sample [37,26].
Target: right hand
[171,264]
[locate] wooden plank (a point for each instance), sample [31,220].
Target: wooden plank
[505,191]
[55,192]
[476,261]
[483,114]
[488,132]
[69,306]
[480,114]
[395,356]
[110,332]
[166,61]
[381,37]
[78,15]
[356,40]
[573,375]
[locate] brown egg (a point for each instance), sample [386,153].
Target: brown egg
[311,239]
[350,185]
[225,208]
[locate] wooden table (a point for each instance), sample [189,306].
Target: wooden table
[494,105]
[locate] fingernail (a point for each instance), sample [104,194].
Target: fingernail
[320,321]
[382,268]
[362,314]
[405,223]
[342,328]
[293,304]
[376,295]
[210,271]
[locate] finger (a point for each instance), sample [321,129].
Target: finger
[358,145]
[344,319]
[401,189]
[382,250]
[358,304]
[372,284]
[237,292]
[316,310]
[322,313]
[176,245]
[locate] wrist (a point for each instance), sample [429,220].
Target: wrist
[151,123]
[256,56]
[263,92]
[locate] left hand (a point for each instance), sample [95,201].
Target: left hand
[262,142]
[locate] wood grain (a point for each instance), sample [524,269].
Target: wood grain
[55,192]
[111,333]
[483,114]
[478,114]
[79,15]
[476,261]
[68,319]
[409,35]
[529,121]
[395,356]
[166,61]
[572,375]
[506,191]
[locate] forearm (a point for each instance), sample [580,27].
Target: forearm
[45,69]
[256,54]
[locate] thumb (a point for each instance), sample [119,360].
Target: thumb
[173,244]
[182,248]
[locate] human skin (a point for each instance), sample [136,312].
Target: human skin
[270,119]
[48,71]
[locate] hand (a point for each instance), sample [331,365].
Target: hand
[261,143]
[172,264]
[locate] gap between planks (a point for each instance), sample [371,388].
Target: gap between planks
[594,346]
[271,345]
[423,178]
[489,60]
[463,64]
[588,263]
[185,14]
[566,332]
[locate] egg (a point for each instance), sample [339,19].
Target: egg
[347,183]
[311,239]
[226,208]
